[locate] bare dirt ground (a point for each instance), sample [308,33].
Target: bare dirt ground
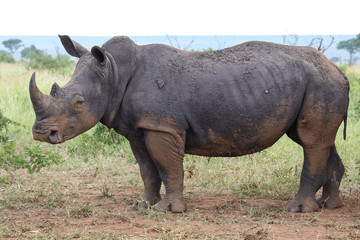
[82,207]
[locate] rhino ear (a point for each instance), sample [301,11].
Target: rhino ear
[72,47]
[98,53]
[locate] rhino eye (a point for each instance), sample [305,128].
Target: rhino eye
[78,103]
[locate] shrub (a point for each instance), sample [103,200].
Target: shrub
[39,158]
[343,68]
[107,136]
[9,159]
[209,49]
[3,128]
[34,158]
[61,63]
[26,52]
[98,141]
[6,57]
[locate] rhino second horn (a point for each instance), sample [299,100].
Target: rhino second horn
[55,89]
[36,96]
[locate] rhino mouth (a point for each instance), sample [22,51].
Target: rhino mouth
[50,136]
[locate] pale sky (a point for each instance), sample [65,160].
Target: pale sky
[179,17]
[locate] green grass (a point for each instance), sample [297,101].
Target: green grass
[96,177]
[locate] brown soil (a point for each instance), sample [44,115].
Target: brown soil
[86,214]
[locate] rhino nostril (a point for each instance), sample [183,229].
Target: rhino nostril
[53,136]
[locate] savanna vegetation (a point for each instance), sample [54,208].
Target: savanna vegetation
[85,187]
[352,46]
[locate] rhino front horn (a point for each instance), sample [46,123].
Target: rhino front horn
[36,96]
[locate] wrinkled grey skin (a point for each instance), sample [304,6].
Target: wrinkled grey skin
[230,102]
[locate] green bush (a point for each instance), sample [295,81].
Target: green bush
[39,158]
[107,136]
[61,63]
[98,141]
[6,57]
[343,68]
[354,105]
[26,52]
[9,158]
[3,128]
[34,158]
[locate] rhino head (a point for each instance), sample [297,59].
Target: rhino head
[80,104]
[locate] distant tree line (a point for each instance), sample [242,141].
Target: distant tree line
[35,58]
[40,59]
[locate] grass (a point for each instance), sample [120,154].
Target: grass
[96,181]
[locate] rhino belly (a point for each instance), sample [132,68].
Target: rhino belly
[235,141]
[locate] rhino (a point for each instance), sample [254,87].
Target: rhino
[168,102]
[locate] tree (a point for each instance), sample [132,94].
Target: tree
[175,42]
[291,40]
[351,45]
[13,45]
[31,51]
[318,43]
[6,57]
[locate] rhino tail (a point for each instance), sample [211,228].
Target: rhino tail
[345,122]
[348,89]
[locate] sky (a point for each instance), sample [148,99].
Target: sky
[179,17]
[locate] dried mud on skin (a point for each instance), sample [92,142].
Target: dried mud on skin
[93,211]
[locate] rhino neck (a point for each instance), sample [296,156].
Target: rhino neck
[121,76]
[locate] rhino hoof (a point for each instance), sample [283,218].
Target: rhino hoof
[331,202]
[176,206]
[306,206]
[292,208]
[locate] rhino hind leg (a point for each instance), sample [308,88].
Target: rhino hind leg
[150,177]
[315,131]
[312,179]
[335,170]
[167,151]
[310,184]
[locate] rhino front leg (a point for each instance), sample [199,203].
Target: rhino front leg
[151,178]
[167,151]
